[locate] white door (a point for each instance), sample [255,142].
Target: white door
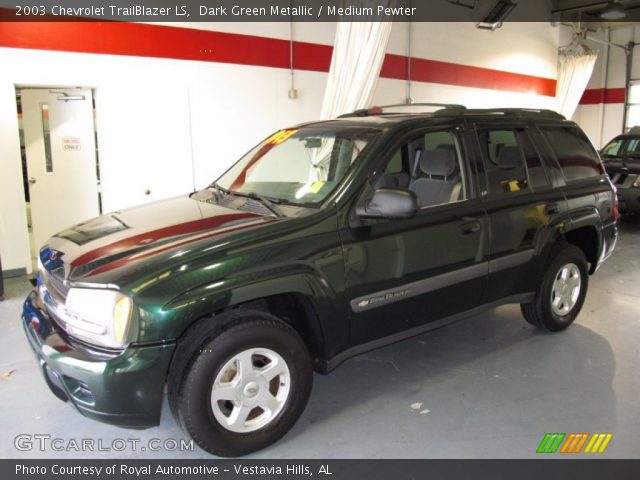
[61,159]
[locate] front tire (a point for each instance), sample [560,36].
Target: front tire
[562,291]
[246,384]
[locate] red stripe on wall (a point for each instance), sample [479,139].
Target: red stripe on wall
[136,39]
[432,71]
[602,95]
[141,40]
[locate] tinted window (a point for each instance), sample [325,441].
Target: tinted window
[438,140]
[623,146]
[535,171]
[573,151]
[612,148]
[396,163]
[299,165]
[430,166]
[504,161]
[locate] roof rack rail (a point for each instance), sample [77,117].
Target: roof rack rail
[379,110]
[516,112]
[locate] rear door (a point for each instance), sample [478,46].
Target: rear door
[404,273]
[580,167]
[521,204]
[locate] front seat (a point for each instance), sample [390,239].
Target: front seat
[438,180]
[509,157]
[505,179]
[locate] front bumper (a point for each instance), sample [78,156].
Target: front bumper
[123,388]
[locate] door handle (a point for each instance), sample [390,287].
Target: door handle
[32,180]
[551,209]
[468,228]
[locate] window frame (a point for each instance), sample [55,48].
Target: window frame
[517,128]
[466,173]
[534,150]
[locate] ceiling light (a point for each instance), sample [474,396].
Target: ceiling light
[614,11]
[498,13]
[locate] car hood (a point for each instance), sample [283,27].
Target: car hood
[113,245]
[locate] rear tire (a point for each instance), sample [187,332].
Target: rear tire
[562,291]
[243,386]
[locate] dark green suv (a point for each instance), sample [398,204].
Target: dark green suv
[326,240]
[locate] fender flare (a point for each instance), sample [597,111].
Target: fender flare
[572,221]
[205,300]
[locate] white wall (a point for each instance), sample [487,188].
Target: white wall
[14,245]
[525,48]
[170,125]
[529,48]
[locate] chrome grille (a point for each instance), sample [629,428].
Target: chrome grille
[618,178]
[54,282]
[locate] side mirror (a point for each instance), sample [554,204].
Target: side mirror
[389,203]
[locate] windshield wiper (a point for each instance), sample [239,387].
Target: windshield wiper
[270,204]
[221,191]
[218,188]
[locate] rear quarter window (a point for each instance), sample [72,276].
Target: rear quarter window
[575,154]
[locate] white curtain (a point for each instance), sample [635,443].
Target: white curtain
[574,71]
[358,53]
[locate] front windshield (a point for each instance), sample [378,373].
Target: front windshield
[622,147]
[299,165]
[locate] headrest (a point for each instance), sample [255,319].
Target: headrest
[447,146]
[509,157]
[441,162]
[386,181]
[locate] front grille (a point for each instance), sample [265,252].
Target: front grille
[54,282]
[623,180]
[619,178]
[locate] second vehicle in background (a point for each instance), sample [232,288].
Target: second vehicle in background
[621,159]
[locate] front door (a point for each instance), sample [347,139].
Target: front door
[60,148]
[404,273]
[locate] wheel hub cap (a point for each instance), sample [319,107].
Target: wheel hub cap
[250,390]
[566,289]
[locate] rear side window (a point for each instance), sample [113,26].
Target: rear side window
[504,161]
[574,153]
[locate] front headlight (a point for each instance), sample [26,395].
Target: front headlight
[98,316]
[636,184]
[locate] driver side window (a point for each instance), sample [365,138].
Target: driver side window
[430,166]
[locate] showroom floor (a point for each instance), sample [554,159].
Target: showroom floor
[488,386]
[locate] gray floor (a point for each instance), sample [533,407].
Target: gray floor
[488,386]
